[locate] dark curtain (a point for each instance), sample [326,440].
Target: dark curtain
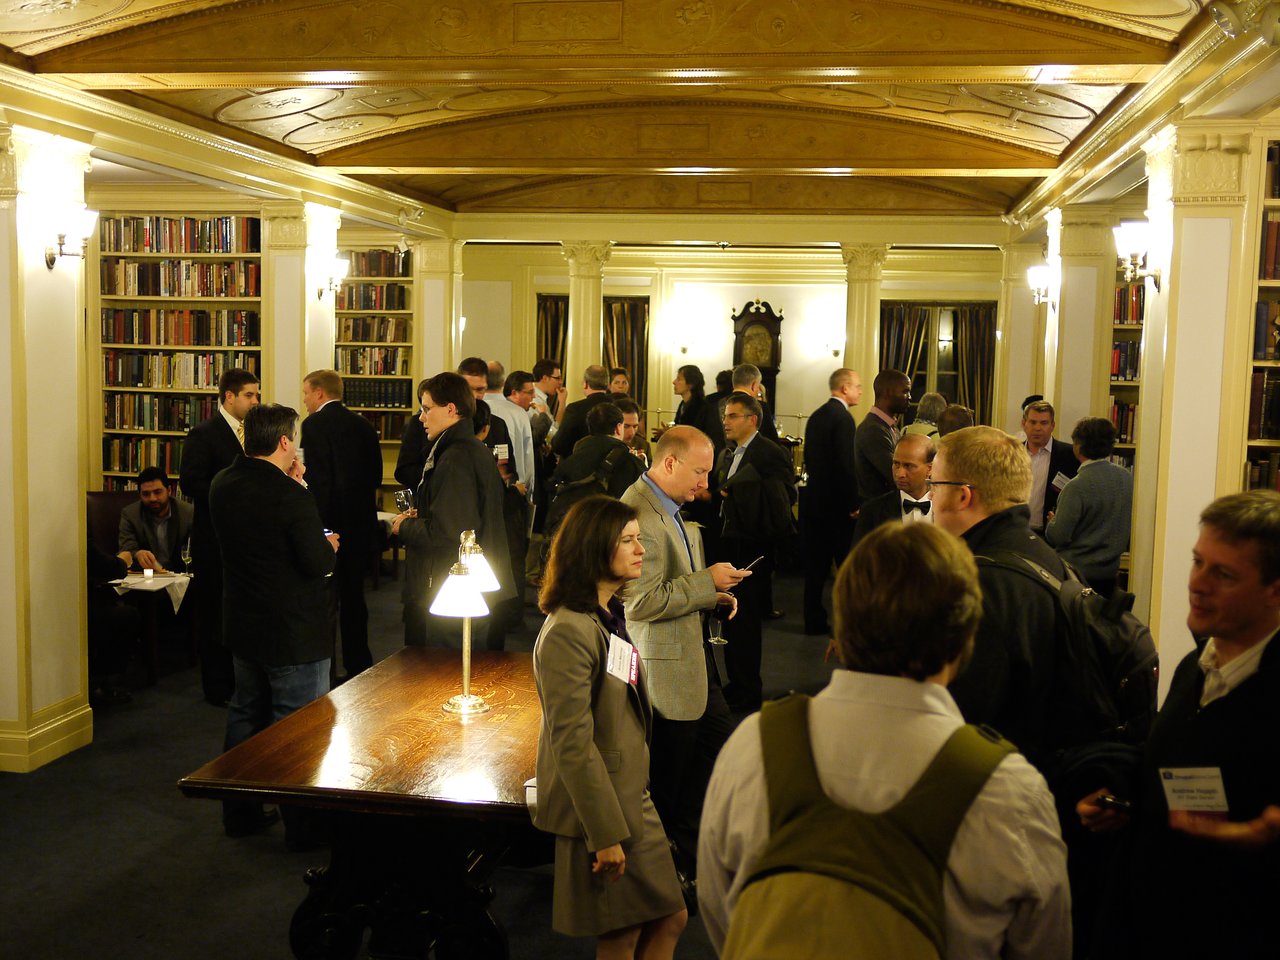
[626,340]
[553,326]
[975,343]
[904,327]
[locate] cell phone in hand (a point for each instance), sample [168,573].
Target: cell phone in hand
[752,563]
[1107,802]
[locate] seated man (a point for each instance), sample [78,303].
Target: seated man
[907,604]
[154,530]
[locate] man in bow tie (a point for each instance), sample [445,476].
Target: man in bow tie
[910,501]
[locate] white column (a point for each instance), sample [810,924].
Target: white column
[1197,186]
[44,711]
[1019,336]
[1088,270]
[319,329]
[437,306]
[864,268]
[284,301]
[586,310]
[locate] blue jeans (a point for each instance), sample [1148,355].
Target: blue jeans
[264,695]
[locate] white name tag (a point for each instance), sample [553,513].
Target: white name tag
[624,660]
[1197,789]
[500,451]
[1060,481]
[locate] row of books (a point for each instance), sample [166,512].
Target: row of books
[1124,359]
[1125,417]
[151,411]
[374,329]
[390,426]
[180,234]
[178,371]
[1264,472]
[1271,189]
[184,328]
[394,394]
[381,263]
[131,454]
[1130,303]
[1124,459]
[180,278]
[1264,405]
[1269,267]
[1266,329]
[373,361]
[373,296]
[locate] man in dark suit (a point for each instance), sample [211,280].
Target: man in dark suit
[830,498]
[878,434]
[344,471]
[153,530]
[573,427]
[1053,462]
[210,447]
[911,501]
[755,484]
[747,380]
[275,557]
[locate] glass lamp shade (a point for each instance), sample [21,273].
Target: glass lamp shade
[339,269]
[1038,277]
[1132,237]
[481,573]
[459,596]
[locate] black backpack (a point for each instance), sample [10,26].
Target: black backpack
[566,493]
[1105,663]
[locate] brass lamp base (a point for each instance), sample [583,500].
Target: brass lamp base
[465,705]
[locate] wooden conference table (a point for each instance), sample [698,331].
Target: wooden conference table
[423,804]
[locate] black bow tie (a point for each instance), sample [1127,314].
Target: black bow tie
[921,505]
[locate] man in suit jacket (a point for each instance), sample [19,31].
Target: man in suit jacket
[1053,462]
[154,529]
[344,471]
[756,487]
[275,556]
[911,501]
[665,609]
[209,448]
[829,501]
[878,434]
[748,380]
[573,427]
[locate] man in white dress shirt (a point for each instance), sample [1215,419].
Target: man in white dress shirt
[911,501]
[906,608]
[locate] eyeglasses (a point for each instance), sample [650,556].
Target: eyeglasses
[736,416]
[949,483]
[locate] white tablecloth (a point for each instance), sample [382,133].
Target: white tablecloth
[174,584]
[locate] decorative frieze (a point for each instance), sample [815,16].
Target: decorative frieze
[1209,167]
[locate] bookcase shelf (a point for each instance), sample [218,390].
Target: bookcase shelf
[1262,422]
[177,301]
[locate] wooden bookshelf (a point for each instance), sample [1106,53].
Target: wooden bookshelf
[1262,423]
[1125,389]
[177,301]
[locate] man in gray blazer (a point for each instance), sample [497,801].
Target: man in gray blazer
[153,530]
[665,618]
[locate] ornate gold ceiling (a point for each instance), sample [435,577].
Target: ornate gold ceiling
[841,106]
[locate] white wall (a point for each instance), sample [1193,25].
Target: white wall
[487,306]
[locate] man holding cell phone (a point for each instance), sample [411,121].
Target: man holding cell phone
[755,486]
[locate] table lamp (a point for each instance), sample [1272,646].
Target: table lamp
[460,596]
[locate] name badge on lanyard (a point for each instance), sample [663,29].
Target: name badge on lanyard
[624,660]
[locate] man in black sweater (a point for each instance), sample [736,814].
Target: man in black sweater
[878,434]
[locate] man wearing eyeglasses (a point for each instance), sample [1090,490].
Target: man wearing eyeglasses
[980,484]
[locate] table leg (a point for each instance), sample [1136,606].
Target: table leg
[422,887]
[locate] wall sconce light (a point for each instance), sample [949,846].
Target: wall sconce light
[77,222]
[1039,279]
[338,270]
[1132,242]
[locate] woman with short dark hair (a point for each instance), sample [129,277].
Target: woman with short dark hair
[614,875]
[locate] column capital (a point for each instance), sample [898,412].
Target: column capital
[8,164]
[863,261]
[1209,166]
[437,256]
[1084,233]
[286,225]
[586,257]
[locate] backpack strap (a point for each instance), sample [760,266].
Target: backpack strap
[1017,563]
[935,806]
[790,773]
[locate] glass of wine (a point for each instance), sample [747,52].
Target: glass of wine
[404,500]
[715,630]
[186,555]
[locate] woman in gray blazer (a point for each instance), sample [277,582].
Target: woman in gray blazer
[614,876]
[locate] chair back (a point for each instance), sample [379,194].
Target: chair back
[103,510]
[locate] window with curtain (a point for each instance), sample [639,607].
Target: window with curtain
[553,326]
[948,348]
[626,339]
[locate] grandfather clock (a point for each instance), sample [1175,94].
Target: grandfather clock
[757,339]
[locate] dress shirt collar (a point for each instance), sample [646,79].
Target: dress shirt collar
[1046,450]
[326,403]
[898,692]
[1219,681]
[887,418]
[237,426]
[670,506]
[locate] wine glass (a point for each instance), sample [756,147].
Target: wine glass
[186,555]
[404,500]
[715,630]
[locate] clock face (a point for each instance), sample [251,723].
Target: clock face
[757,346]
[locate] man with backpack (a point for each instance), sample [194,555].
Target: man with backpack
[870,821]
[600,463]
